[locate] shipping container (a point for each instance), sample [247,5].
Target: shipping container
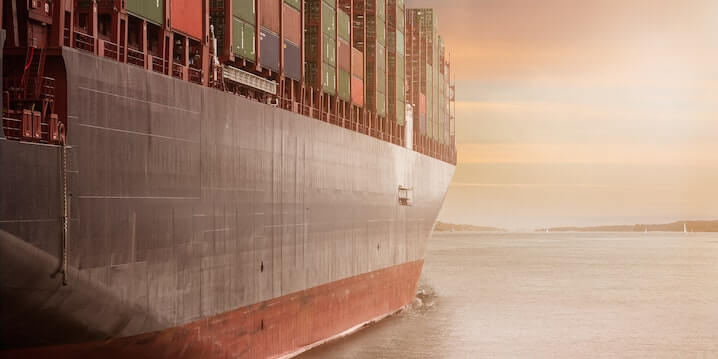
[380,104]
[185,16]
[344,55]
[329,79]
[292,60]
[375,69]
[269,15]
[344,85]
[292,25]
[329,15]
[245,10]
[243,37]
[357,91]
[297,4]
[269,49]
[330,50]
[357,64]
[320,43]
[152,11]
[343,26]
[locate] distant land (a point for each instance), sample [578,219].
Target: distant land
[450,227]
[691,226]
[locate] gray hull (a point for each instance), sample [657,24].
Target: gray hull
[187,202]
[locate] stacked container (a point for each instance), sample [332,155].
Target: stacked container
[344,51]
[356,9]
[396,61]
[244,20]
[321,45]
[184,17]
[376,67]
[292,30]
[428,24]
[269,30]
[152,11]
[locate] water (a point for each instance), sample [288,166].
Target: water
[554,296]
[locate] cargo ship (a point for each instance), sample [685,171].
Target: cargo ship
[215,178]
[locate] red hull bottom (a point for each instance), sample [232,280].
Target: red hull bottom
[276,327]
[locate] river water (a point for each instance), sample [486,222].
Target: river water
[549,295]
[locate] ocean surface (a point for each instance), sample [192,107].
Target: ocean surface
[549,295]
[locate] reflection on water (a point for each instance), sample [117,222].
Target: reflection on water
[554,296]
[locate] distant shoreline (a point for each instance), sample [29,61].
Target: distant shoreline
[451,227]
[674,227]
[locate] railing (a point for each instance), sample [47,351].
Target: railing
[66,36]
[111,50]
[158,64]
[47,88]
[135,57]
[12,127]
[177,71]
[84,42]
[195,75]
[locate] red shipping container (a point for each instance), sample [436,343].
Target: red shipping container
[186,17]
[269,15]
[422,104]
[357,91]
[357,63]
[292,25]
[345,55]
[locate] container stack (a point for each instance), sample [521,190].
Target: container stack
[396,61]
[356,9]
[244,21]
[428,79]
[292,33]
[376,67]
[321,45]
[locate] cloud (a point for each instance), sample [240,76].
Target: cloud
[529,185]
[698,154]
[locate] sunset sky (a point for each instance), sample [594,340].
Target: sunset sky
[583,112]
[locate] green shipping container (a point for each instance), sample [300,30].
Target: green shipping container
[329,79]
[400,43]
[380,57]
[344,31]
[380,104]
[381,31]
[331,3]
[381,9]
[329,16]
[345,85]
[381,80]
[330,50]
[243,38]
[400,112]
[297,4]
[245,10]
[400,19]
[152,11]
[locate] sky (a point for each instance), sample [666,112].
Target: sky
[582,112]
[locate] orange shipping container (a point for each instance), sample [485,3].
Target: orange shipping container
[345,54]
[269,15]
[357,91]
[357,63]
[186,17]
[292,25]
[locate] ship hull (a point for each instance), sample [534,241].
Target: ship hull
[198,214]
